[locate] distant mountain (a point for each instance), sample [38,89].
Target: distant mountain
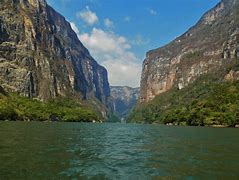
[124,99]
[41,56]
[183,72]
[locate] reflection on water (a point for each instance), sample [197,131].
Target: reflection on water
[120,151]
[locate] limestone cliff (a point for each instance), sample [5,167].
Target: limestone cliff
[209,46]
[124,99]
[41,56]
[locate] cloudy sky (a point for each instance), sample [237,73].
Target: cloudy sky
[118,33]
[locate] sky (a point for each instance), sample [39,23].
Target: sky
[118,33]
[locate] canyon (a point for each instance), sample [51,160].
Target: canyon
[42,58]
[209,46]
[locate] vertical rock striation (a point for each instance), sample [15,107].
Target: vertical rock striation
[209,46]
[41,56]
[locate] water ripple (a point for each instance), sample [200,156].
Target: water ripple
[116,151]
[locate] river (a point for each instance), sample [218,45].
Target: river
[32,150]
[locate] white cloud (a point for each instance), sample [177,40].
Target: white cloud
[113,52]
[152,12]
[101,41]
[140,40]
[123,73]
[108,23]
[88,16]
[127,18]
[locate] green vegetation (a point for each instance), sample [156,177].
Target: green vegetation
[206,102]
[15,107]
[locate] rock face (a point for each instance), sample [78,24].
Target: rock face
[124,99]
[2,91]
[232,76]
[41,56]
[211,45]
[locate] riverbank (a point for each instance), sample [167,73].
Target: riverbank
[203,103]
[18,108]
[213,126]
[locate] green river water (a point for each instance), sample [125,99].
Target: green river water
[116,151]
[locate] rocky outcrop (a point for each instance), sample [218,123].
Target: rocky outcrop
[211,45]
[2,91]
[124,99]
[232,76]
[41,56]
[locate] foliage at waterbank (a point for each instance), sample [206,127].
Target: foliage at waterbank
[15,107]
[208,101]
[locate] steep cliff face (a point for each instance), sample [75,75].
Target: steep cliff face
[2,91]
[41,56]
[124,99]
[210,46]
